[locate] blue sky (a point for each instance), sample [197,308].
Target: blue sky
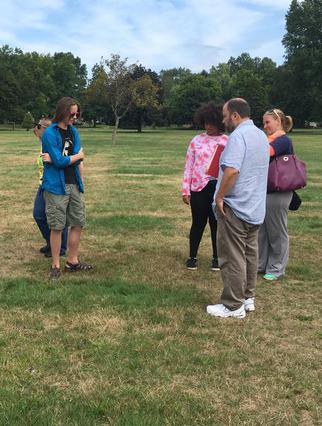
[160,34]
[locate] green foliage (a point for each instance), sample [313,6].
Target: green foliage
[186,96]
[35,82]
[303,44]
[246,84]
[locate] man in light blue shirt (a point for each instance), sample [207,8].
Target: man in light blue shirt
[240,208]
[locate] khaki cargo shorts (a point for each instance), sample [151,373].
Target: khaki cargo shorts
[65,209]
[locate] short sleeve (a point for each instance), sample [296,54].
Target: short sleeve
[234,153]
[282,146]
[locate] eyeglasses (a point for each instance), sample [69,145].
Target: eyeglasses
[74,115]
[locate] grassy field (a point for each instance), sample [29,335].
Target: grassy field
[130,344]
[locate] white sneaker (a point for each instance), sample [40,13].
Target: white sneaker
[250,304]
[221,311]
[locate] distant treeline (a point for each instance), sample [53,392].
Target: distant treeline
[33,82]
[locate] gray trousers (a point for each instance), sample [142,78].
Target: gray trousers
[273,236]
[237,256]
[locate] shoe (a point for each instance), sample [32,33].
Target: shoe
[54,273]
[223,312]
[250,304]
[78,267]
[270,277]
[45,249]
[191,263]
[215,265]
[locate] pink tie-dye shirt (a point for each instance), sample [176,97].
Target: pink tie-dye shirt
[198,156]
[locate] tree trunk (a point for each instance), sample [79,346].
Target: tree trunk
[116,125]
[139,122]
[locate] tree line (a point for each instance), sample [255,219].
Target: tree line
[132,95]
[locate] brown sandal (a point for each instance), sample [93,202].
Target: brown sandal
[78,267]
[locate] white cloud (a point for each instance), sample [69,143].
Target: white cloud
[157,33]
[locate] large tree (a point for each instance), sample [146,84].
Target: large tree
[186,96]
[34,82]
[146,97]
[247,85]
[303,45]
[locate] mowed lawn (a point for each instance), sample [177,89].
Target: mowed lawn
[130,343]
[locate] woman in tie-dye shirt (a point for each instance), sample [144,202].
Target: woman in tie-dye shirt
[198,187]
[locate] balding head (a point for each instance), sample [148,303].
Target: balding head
[235,111]
[240,106]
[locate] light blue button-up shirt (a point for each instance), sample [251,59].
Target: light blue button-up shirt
[247,150]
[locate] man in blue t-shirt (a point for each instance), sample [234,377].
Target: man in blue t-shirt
[240,208]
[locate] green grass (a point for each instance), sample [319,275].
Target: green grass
[130,343]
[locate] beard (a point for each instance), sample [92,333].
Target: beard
[230,127]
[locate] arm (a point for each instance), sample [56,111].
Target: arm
[49,146]
[232,160]
[81,170]
[227,182]
[187,174]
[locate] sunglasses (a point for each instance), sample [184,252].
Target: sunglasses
[75,115]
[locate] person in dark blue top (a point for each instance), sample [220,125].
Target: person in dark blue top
[273,234]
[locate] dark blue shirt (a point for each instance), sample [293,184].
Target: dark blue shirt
[282,146]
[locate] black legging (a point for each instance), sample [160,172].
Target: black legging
[201,209]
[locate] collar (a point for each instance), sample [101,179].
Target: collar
[247,122]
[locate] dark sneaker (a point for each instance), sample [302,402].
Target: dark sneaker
[48,254]
[215,265]
[45,249]
[54,273]
[191,263]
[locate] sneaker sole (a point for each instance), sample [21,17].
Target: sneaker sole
[215,269]
[241,316]
[191,269]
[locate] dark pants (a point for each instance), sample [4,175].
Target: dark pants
[202,212]
[39,214]
[238,257]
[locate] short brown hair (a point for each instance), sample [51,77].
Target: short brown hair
[240,106]
[63,108]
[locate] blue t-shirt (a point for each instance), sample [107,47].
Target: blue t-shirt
[247,150]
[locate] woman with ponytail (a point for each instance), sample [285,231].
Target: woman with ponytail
[273,234]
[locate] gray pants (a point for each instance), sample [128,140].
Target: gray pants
[237,256]
[273,236]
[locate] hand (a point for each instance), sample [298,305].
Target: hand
[220,205]
[186,199]
[81,154]
[45,157]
